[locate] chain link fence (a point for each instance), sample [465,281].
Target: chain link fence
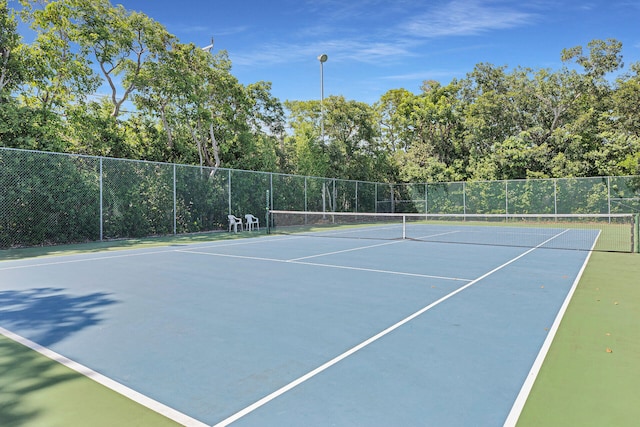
[558,196]
[53,198]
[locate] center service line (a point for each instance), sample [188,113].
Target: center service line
[363,344]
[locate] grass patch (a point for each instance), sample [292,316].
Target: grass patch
[118,245]
[591,376]
[36,391]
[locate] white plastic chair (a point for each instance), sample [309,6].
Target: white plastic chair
[251,221]
[234,222]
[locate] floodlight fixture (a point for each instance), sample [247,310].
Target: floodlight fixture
[208,47]
[322,58]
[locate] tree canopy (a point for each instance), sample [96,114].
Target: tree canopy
[171,101]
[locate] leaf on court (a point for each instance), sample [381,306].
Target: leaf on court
[616,303]
[542,287]
[609,350]
[608,334]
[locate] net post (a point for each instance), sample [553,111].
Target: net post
[267,214]
[404,227]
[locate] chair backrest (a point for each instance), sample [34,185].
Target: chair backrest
[250,217]
[232,219]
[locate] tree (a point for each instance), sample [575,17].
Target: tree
[626,103]
[390,118]
[120,40]
[59,74]
[173,89]
[267,123]
[431,132]
[604,57]
[489,114]
[11,71]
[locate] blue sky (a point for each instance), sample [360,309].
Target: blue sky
[377,45]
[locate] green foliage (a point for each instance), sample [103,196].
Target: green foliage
[188,107]
[351,148]
[58,204]
[35,129]
[11,67]
[184,105]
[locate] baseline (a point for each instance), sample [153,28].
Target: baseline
[126,253]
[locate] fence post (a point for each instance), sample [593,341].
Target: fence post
[634,236]
[555,196]
[267,207]
[464,198]
[375,209]
[393,198]
[334,197]
[609,197]
[306,208]
[101,205]
[229,188]
[356,196]
[175,213]
[506,197]
[426,198]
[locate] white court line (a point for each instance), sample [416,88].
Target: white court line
[344,250]
[137,397]
[322,233]
[363,344]
[167,249]
[373,270]
[436,235]
[518,405]
[72,261]
[367,247]
[255,258]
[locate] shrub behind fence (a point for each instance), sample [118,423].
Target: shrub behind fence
[53,198]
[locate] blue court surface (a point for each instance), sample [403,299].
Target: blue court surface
[297,330]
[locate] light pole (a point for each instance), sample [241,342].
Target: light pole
[322,58]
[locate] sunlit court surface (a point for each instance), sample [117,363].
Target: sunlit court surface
[301,330]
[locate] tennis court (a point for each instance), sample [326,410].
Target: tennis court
[297,329]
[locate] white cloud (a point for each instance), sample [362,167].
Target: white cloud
[462,18]
[338,49]
[382,42]
[425,75]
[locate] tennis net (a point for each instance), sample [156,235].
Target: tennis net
[611,233]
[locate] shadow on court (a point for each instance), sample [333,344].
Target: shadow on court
[52,315]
